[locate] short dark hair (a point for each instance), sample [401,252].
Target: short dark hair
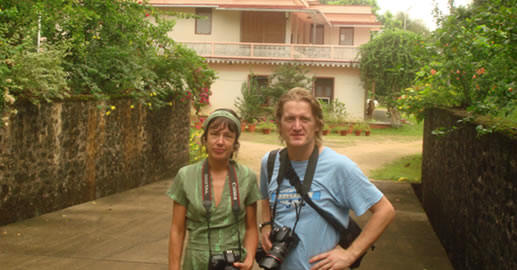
[222,122]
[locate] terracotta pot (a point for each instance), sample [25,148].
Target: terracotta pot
[343,132]
[357,132]
[251,127]
[266,130]
[367,133]
[325,132]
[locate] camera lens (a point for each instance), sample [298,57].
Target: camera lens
[283,240]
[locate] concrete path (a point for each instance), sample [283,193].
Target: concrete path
[130,230]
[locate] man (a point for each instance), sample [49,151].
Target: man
[337,186]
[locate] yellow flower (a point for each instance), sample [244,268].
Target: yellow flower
[132,106]
[108,112]
[113,108]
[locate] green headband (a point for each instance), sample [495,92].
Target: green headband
[225,114]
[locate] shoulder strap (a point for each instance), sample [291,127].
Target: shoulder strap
[302,190]
[271,163]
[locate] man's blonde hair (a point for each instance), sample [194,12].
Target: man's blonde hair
[301,94]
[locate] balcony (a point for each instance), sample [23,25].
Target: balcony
[274,52]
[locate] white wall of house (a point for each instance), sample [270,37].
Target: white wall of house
[226,27]
[348,88]
[227,88]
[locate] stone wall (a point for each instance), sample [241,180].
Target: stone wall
[60,154]
[469,190]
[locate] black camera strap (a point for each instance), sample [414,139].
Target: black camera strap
[233,188]
[347,235]
[285,163]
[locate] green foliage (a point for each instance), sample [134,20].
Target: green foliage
[402,21]
[474,64]
[250,102]
[38,76]
[196,149]
[100,48]
[391,61]
[334,112]
[266,124]
[284,78]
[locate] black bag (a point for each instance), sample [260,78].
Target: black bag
[347,235]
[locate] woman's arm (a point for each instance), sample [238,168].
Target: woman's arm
[177,235]
[250,237]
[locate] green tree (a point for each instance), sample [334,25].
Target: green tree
[249,104]
[389,63]
[284,78]
[474,64]
[107,48]
[403,21]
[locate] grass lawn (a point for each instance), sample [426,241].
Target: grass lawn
[407,169]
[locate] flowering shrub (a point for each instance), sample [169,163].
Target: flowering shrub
[196,149]
[474,64]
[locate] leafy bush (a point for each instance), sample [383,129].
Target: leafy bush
[196,149]
[389,63]
[97,48]
[474,64]
[334,112]
[250,102]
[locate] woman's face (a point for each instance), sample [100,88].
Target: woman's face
[220,142]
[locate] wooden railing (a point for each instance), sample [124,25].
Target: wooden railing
[275,51]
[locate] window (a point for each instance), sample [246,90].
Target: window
[324,89]
[317,33]
[346,36]
[204,24]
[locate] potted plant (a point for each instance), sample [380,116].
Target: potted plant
[358,128]
[367,129]
[252,124]
[343,130]
[266,126]
[326,129]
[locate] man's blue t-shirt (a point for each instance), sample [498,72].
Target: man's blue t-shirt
[338,186]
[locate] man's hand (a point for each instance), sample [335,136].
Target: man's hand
[266,243]
[335,259]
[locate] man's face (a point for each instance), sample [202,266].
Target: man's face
[298,126]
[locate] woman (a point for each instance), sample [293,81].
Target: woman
[216,201]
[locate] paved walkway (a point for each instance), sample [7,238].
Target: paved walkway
[130,230]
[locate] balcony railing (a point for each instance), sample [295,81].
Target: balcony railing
[275,51]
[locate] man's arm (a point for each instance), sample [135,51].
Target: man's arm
[339,258]
[264,232]
[177,235]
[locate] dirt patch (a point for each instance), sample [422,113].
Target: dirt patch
[368,154]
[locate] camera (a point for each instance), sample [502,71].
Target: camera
[282,239]
[225,260]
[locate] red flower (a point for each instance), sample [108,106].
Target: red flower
[147,14]
[480,71]
[433,71]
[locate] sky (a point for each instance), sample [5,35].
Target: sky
[418,9]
